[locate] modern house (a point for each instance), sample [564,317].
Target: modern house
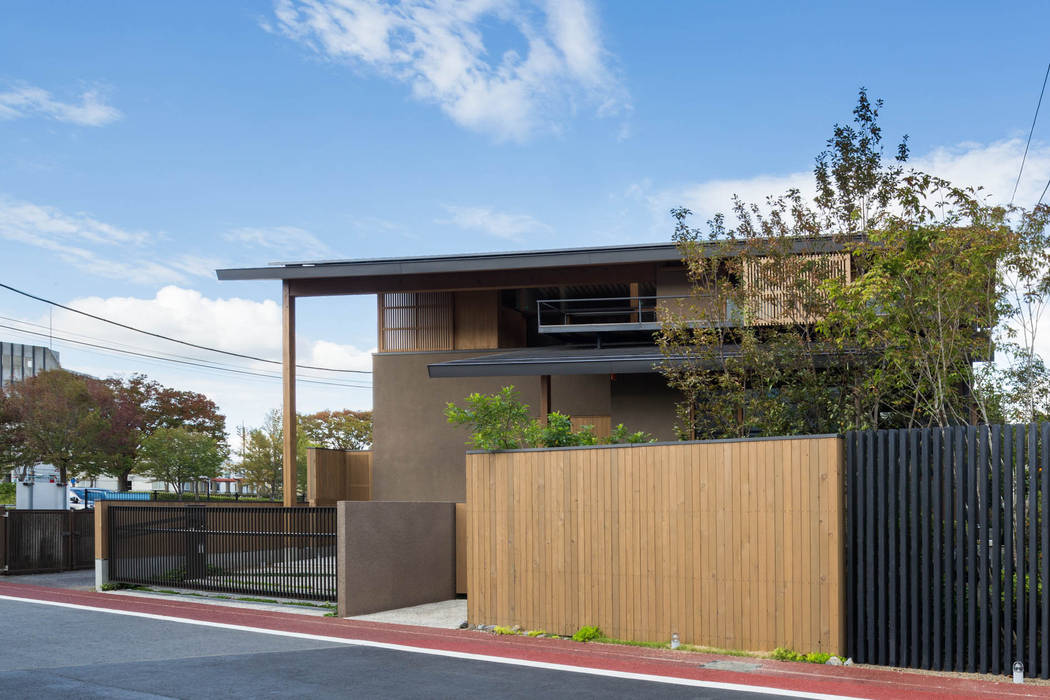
[571,329]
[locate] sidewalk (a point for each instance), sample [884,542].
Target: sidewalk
[850,681]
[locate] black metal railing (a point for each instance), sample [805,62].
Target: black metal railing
[624,313]
[948,548]
[259,550]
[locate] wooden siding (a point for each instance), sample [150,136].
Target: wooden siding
[477,320]
[733,544]
[461,548]
[773,303]
[337,475]
[602,424]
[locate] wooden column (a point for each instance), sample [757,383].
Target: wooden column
[288,380]
[636,303]
[545,397]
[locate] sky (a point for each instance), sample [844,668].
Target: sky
[145,145]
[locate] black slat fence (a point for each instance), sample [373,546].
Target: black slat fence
[286,552]
[948,548]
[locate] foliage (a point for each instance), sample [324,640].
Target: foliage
[796,341]
[262,456]
[338,430]
[52,418]
[7,493]
[787,654]
[179,455]
[501,421]
[587,633]
[496,421]
[503,630]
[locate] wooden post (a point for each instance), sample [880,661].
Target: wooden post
[636,303]
[288,377]
[545,397]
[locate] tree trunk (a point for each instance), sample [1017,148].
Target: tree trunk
[124,480]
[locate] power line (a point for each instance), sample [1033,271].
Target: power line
[182,362]
[1043,194]
[1030,131]
[118,347]
[174,340]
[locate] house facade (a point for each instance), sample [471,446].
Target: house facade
[570,329]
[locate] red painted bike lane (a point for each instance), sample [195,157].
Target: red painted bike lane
[852,681]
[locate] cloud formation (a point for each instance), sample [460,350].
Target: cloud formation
[441,50]
[28,100]
[992,167]
[494,223]
[288,241]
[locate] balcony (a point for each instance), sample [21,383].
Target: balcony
[627,314]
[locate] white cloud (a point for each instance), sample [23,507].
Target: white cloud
[283,240]
[992,166]
[89,244]
[438,48]
[28,100]
[494,223]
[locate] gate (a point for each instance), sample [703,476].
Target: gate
[948,548]
[289,552]
[42,541]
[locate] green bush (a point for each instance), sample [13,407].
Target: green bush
[587,633]
[7,493]
[813,657]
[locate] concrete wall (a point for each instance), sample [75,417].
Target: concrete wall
[394,555]
[644,402]
[418,456]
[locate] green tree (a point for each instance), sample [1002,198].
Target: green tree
[797,340]
[497,421]
[53,418]
[262,456]
[180,455]
[338,430]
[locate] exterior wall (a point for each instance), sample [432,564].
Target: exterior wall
[18,362]
[417,454]
[644,402]
[393,555]
[736,543]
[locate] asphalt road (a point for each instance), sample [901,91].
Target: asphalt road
[53,652]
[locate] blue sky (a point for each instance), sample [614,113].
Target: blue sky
[146,144]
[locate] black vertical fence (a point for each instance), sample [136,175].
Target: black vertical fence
[948,548]
[287,552]
[41,541]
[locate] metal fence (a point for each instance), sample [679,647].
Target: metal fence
[948,548]
[261,550]
[40,541]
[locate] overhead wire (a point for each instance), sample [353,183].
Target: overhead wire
[169,338]
[1030,132]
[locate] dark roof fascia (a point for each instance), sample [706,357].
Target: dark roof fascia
[479,262]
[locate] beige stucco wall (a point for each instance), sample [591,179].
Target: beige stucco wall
[419,456]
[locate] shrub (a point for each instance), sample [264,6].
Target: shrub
[813,657]
[587,633]
[503,630]
[620,435]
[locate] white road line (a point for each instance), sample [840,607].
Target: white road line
[454,654]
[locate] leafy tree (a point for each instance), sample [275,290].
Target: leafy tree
[338,430]
[179,455]
[797,340]
[52,418]
[262,456]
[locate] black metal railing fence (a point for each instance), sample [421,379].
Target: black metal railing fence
[258,550]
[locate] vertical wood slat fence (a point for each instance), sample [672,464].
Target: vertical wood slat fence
[337,475]
[948,548]
[733,544]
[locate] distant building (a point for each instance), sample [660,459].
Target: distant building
[17,362]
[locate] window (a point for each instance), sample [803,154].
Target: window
[415,321]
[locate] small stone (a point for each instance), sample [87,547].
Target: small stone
[516,629]
[834,661]
[464,625]
[848,662]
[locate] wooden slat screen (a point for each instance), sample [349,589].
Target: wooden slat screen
[773,301]
[735,544]
[415,321]
[337,475]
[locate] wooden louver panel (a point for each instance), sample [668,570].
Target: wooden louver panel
[772,292]
[415,321]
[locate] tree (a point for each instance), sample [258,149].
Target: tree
[899,333]
[338,430]
[141,406]
[53,418]
[262,456]
[180,455]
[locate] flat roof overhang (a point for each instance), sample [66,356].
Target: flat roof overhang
[610,264]
[563,360]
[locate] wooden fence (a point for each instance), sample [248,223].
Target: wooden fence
[337,475]
[732,544]
[949,548]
